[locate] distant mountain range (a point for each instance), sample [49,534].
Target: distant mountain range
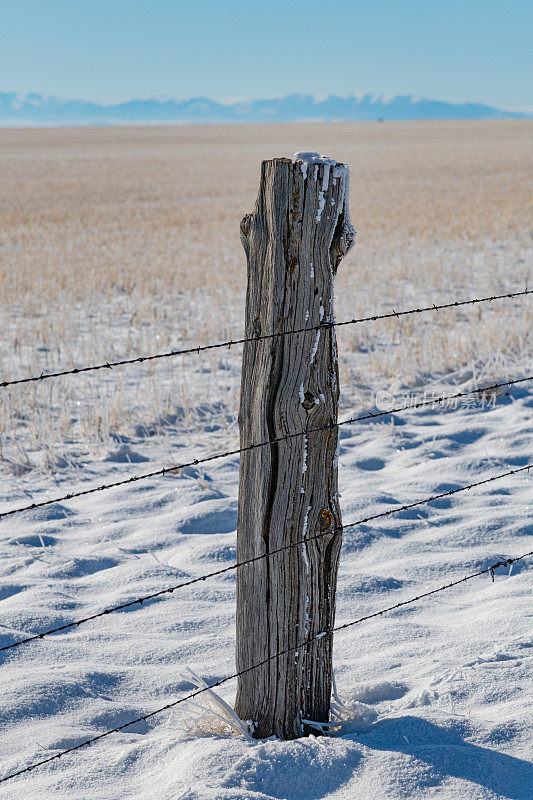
[36,109]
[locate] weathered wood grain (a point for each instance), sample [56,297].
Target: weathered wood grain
[294,240]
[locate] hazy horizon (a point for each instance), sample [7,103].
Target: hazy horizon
[233,100]
[34,110]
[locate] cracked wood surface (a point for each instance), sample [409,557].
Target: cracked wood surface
[294,241]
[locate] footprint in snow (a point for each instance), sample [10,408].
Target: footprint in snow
[9,591]
[211,516]
[379,692]
[125,455]
[370,464]
[55,511]
[39,540]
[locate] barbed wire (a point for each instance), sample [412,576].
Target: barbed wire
[232,342]
[284,438]
[333,531]
[493,567]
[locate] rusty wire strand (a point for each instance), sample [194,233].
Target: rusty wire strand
[304,643]
[166,592]
[232,342]
[286,437]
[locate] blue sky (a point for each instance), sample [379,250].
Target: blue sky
[112,50]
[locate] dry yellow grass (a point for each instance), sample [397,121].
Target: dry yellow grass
[117,241]
[96,209]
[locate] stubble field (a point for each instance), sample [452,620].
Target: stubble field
[125,241]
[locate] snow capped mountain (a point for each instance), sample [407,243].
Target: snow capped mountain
[35,109]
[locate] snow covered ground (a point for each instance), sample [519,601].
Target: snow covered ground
[444,679]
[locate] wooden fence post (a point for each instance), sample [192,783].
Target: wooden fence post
[294,240]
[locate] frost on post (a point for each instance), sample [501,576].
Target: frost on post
[294,240]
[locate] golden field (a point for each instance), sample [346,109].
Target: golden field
[116,242]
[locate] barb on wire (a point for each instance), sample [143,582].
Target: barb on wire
[503,563]
[284,438]
[168,591]
[232,342]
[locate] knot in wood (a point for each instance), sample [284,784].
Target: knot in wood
[309,401]
[325,519]
[245,225]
